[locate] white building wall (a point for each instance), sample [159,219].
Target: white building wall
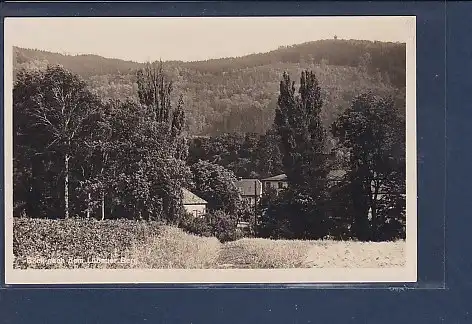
[195,210]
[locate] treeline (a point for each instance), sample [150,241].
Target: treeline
[77,155]
[235,95]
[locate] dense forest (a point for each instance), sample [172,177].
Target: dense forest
[238,95]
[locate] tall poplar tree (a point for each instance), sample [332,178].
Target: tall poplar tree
[170,140]
[303,146]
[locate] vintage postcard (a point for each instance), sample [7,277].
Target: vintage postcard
[210,150]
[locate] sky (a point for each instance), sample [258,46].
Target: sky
[193,39]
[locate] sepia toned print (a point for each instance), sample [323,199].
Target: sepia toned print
[282,159]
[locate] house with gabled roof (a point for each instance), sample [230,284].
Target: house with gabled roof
[250,190]
[193,204]
[280,182]
[335,176]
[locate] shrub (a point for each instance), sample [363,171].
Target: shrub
[224,226]
[197,225]
[216,185]
[173,248]
[218,224]
[275,223]
[75,243]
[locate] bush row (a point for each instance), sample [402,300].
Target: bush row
[78,243]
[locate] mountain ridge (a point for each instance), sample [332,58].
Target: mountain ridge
[281,47]
[238,94]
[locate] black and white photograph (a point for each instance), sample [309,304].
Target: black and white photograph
[210,150]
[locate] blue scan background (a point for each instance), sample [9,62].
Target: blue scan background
[436,297]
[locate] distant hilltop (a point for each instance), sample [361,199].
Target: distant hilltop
[335,51]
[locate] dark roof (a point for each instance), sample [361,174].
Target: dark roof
[280,177]
[189,198]
[249,187]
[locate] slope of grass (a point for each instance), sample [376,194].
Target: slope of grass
[175,249]
[264,253]
[78,243]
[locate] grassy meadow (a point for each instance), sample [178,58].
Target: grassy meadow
[79,243]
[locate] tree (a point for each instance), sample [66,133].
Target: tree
[373,131]
[217,186]
[269,162]
[154,91]
[126,158]
[138,151]
[303,146]
[28,143]
[142,176]
[178,133]
[58,105]
[248,156]
[161,170]
[103,144]
[99,143]
[155,94]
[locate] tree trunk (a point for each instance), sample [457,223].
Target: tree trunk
[375,222]
[361,209]
[103,204]
[66,186]
[89,198]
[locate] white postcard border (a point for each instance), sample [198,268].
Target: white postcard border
[223,276]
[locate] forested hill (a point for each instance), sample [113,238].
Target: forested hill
[239,94]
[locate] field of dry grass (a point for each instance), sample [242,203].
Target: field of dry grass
[175,249]
[333,254]
[163,247]
[258,253]
[265,253]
